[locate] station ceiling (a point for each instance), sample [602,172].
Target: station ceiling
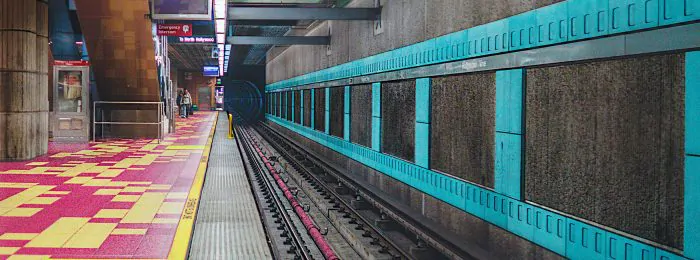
[191,57]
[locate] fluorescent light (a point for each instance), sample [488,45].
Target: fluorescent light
[220,26]
[220,38]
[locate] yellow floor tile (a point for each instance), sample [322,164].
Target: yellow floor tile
[18,236]
[159,187]
[111,213]
[37,163]
[58,233]
[21,212]
[110,173]
[18,199]
[171,208]
[145,209]
[134,189]
[129,231]
[16,185]
[97,169]
[126,163]
[185,147]
[8,250]
[126,198]
[165,221]
[77,170]
[91,235]
[107,192]
[43,200]
[78,180]
[98,182]
[57,192]
[177,195]
[29,257]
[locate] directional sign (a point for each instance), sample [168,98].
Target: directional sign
[175,30]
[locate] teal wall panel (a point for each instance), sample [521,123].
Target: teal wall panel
[422,134]
[346,114]
[509,101]
[376,116]
[422,145]
[692,103]
[678,11]
[508,165]
[509,129]
[556,232]
[423,99]
[328,111]
[691,228]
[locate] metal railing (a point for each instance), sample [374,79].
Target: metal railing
[159,118]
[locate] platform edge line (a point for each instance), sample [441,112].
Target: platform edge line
[185,228]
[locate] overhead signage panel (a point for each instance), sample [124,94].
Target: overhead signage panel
[174,30]
[182,9]
[192,39]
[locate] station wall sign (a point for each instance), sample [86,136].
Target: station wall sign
[71,63]
[192,39]
[174,30]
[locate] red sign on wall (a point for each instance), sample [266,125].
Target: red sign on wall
[174,30]
[71,63]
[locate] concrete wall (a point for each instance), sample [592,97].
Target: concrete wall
[404,21]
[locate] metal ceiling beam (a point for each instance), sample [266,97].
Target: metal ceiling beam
[282,40]
[300,13]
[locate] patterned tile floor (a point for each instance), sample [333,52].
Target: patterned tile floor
[114,199]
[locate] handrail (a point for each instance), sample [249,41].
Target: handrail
[159,121]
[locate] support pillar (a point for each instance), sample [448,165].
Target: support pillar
[24,104]
[313,109]
[328,111]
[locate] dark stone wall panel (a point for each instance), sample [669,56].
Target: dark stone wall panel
[320,106]
[399,118]
[605,142]
[462,129]
[307,107]
[297,106]
[284,105]
[361,115]
[337,111]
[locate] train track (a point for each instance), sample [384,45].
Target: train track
[285,237]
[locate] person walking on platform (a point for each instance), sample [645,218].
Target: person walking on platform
[186,103]
[179,103]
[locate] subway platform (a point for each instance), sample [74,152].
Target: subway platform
[118,199]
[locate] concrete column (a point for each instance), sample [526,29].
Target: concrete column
[24,104]
[327,128]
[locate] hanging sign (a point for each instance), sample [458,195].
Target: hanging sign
[174,30]
[193,39]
